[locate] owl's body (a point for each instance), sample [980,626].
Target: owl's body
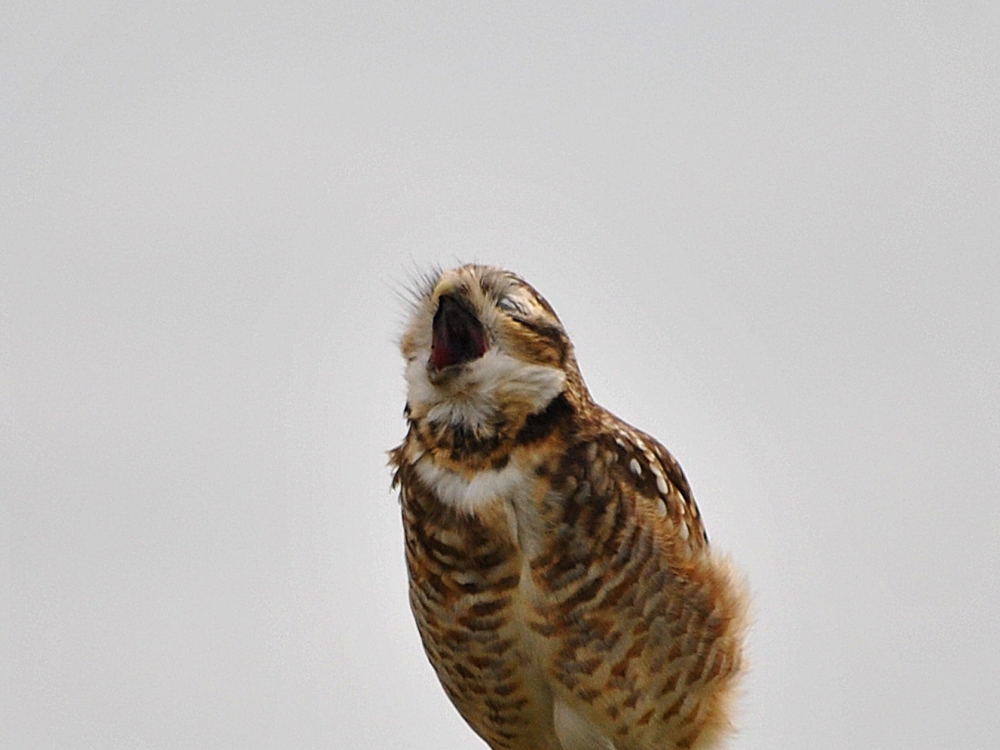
[560,575]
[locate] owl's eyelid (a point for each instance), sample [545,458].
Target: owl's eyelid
[510,305]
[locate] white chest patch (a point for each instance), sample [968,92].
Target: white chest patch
[469,495]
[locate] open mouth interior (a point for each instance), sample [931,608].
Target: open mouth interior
[458,335]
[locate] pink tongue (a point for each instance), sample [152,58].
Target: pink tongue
[451,347]
[441,355]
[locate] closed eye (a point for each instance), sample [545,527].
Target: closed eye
[512,306]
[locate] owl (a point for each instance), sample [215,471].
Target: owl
[559,572]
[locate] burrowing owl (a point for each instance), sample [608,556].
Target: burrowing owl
[560,574]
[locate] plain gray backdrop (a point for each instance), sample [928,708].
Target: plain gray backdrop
[771,231]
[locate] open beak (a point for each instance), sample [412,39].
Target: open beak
[458,336]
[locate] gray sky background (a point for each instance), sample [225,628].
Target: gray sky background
[771,232]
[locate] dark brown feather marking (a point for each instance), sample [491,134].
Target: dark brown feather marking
[539,426]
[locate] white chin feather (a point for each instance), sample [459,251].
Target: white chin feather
[484,388]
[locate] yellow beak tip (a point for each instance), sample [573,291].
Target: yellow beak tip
[445,286]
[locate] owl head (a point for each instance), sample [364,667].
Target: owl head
[483,351]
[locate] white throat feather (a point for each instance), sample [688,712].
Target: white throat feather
[477,396]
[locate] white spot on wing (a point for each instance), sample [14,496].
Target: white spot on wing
[634,467]
[661,481]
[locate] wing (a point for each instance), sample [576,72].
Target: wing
[645,624]
[659,481]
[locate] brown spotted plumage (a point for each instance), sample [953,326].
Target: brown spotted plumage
[560,575]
